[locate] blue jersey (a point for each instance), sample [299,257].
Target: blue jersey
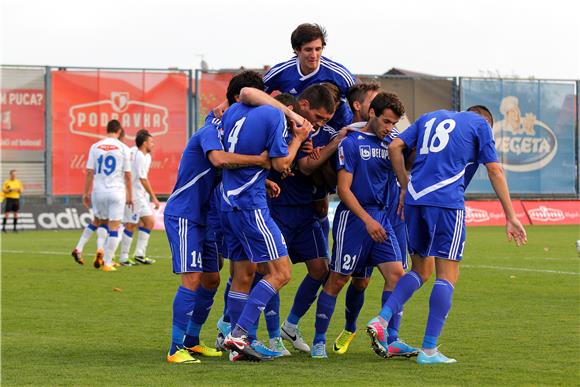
[287,78]
[196,177]
[447,144]
[393,187]
[365,156]
[211,119]
[251,130]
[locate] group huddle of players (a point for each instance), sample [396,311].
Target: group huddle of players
[253,187]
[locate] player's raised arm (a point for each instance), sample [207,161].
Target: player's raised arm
[308,165]
[227,160]
[301,133]
[514,229]
[255,97]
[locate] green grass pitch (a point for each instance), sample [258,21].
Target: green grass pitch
[515,320]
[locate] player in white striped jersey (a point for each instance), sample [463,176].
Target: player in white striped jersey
[109,175]
[141,212]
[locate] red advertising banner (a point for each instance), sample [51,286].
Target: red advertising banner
[490,213]
[212,90]
[22,119]
[84,101]
[553,212]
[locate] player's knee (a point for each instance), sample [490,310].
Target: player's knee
[395,275]
[360,284]
[339,282]
[318,272]
[210,280]
[191,281]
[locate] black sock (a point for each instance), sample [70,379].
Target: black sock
[4,223]
[15,221]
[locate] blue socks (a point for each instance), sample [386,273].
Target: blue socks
[395,322]
[256,303]
[226,314]
[272,316]
[407,285]
[236,303]
[183,303]
[324,310]
[439,306]
[203,302]
[128,233]
[353,304]
[305,296]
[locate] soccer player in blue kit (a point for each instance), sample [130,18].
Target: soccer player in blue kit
[195,256]
[308,67]
[360,97]
[252,237]
[363,236]
[293,211]
[449,145]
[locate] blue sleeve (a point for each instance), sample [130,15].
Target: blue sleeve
[409,136]
[271,81]
[210,140]
[212,120]
[486,152]
[347,156]
[277,145]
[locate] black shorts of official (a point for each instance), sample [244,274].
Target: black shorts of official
[12,205]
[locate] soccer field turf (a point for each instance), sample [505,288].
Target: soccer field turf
[515,320]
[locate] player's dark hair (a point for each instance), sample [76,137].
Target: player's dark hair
[246,78]
[306,33]
[287,99]
[482,111]
[385,100]
[318,96]
[12,170]
[113,126]
[334,90]
[141,136]
[358,92]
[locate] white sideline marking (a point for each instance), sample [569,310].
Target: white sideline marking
[55,253]
[519,269]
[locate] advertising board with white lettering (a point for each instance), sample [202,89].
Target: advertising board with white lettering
[22,110]
[534,129]
[83,102]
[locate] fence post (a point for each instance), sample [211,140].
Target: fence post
[577,128]
[48,134]
[457,93]
[196,100]
[189,103]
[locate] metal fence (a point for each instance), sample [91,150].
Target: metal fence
[51,115]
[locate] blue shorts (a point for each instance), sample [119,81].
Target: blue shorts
[190,250]
[354,251]
[253,235]
[302,232]
[435,231]
[213,226]
[401,233]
